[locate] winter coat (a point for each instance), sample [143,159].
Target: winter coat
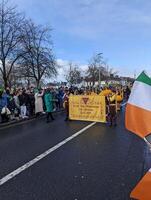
[3,101]
[38,103]
[16,100]
[11,104]
[24,99]
[48,102]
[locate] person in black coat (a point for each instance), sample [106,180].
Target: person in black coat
[24,101]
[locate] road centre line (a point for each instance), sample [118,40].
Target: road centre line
[43,155]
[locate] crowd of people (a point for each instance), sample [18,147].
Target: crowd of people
[24,103]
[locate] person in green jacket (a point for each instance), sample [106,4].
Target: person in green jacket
[49,104]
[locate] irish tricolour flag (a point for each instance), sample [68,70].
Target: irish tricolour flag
[138,120]
[138,109]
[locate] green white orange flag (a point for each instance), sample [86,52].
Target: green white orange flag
[143,190]
[138,109]
[138,121]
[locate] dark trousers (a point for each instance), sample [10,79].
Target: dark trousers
[67,112]
[4,118]
[48,116]
[112,119]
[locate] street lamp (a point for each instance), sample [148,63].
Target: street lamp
[100,56]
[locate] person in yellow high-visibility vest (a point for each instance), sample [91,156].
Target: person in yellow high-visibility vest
[119,99]
[105,92]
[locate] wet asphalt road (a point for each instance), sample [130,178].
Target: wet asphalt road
[102,163]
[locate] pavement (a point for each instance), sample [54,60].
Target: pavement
[99,163]
[15,121]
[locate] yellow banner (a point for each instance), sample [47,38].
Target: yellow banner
[87,108]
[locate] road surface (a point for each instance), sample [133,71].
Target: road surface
[99,163]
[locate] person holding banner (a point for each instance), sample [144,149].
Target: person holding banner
[111,110]
[119,99]
[66,103]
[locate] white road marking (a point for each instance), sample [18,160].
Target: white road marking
[41,156]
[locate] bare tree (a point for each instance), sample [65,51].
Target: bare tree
[39,61]
[110,72]
[10,38]
[96,69]
[73,74]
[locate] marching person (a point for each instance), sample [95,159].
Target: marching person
[66,103]
[49,104]
[111,110]
[127,92]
